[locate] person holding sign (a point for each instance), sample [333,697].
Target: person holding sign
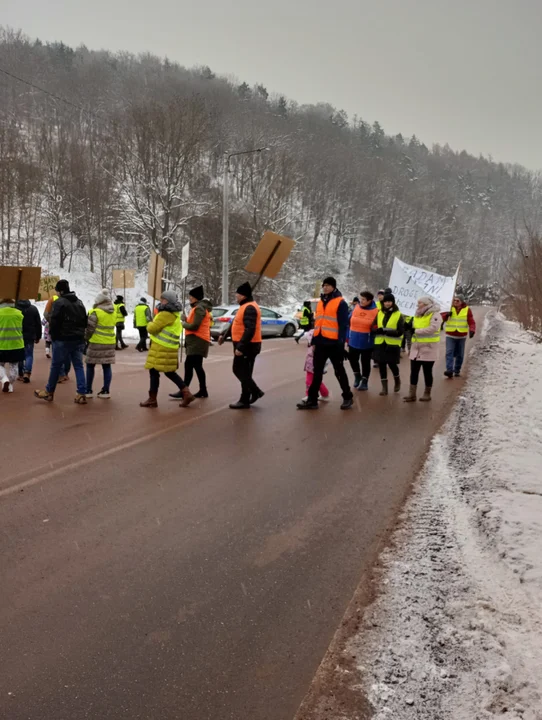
[388,331]
[425,344]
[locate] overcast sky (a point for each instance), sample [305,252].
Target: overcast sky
[466,72]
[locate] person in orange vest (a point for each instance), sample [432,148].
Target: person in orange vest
[331,323]
[197,331]
[246,333]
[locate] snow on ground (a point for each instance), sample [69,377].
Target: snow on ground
[456,631]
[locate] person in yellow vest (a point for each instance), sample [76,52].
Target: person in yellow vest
[121,313]
[142,317]
[331,323]
[388,331]
[379,297]
[425,346]
[100,336]
[165,331]
[197,332]
[460,324]
[11,343]
[246,334]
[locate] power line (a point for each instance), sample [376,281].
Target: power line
[46,92]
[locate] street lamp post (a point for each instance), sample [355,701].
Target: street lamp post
[226,221]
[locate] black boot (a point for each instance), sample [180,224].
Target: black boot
[240,405]
[357,380]
[397,385]
[202,393]
[256,396]
[348,403]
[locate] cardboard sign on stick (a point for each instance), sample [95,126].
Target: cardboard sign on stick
[47,287]
[156,273]
[19,283]
[123,279]
[270,255]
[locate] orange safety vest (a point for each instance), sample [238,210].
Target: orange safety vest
[204,330]
[362,319]
[325,321]
[238,327]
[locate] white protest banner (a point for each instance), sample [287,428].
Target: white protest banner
[185,254]
[409,283]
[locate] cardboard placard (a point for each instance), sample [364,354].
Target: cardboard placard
[19,283]
[270,255]
[47,287]
[123,279]
[156,273]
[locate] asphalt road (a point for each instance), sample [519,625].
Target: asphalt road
[190,563]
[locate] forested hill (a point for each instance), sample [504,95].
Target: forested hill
[134,161]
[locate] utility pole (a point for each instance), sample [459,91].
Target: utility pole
[226,221]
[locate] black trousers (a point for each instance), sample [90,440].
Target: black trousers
[383,367]
[154,376]
[335,354]
[119,330]
[143,336]
[195,362]
[416,366]
[243,367]
[354,357]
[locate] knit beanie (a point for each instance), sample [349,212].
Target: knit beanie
[197,292]
[143,300]
[381,292]
[330,281]
[62,286]
[389,297]
[245,290]
[170,296]
[102,297]
[388,291]
[119,299]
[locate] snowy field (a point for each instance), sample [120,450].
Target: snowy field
[456,630]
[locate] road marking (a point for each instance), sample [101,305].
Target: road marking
[122,446]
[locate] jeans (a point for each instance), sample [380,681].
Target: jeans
[335,353]
[108,376]
[28,363]
[416,366]
[455,353]
[65,351]
[354,356]
[243,368]
[195,362]
[154,377]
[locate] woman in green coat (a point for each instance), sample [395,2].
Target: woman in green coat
[165,333]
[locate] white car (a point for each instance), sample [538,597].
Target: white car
[273,323]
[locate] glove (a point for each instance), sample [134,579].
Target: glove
[346,356]
[471,334]
[379,331]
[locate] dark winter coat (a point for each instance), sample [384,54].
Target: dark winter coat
[388,354]
[194,344]
[68,319]
[343,320]
[32,328]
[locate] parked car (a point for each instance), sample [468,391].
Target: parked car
[273,323]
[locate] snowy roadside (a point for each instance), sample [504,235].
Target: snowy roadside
[456,631]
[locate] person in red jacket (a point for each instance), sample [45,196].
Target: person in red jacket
[459,324]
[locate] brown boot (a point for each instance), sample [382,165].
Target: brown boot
[384,390]
[411,397]
[397,383]
[151,401]
[426,397]
[187,397]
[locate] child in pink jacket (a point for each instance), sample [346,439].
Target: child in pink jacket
[309,368]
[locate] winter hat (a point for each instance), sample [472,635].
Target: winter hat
[381,292]
[459,296]
[356,299]
[389,297]
[119,299]
[245,290]
[102,297]
[170,296]
[62,286]
[388,291]
[143,300]
[197,292]
[330,281]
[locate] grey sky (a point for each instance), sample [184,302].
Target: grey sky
[466,72]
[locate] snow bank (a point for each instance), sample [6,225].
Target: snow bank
[456,631]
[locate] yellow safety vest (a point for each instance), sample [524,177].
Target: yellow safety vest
[392,325]
[119,317]
[424,322]
[170,336]
[140,315]
[11,329]
[104,334]
[458,322]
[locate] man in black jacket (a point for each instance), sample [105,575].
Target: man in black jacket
[31,335]
[246,333]
[67,329]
